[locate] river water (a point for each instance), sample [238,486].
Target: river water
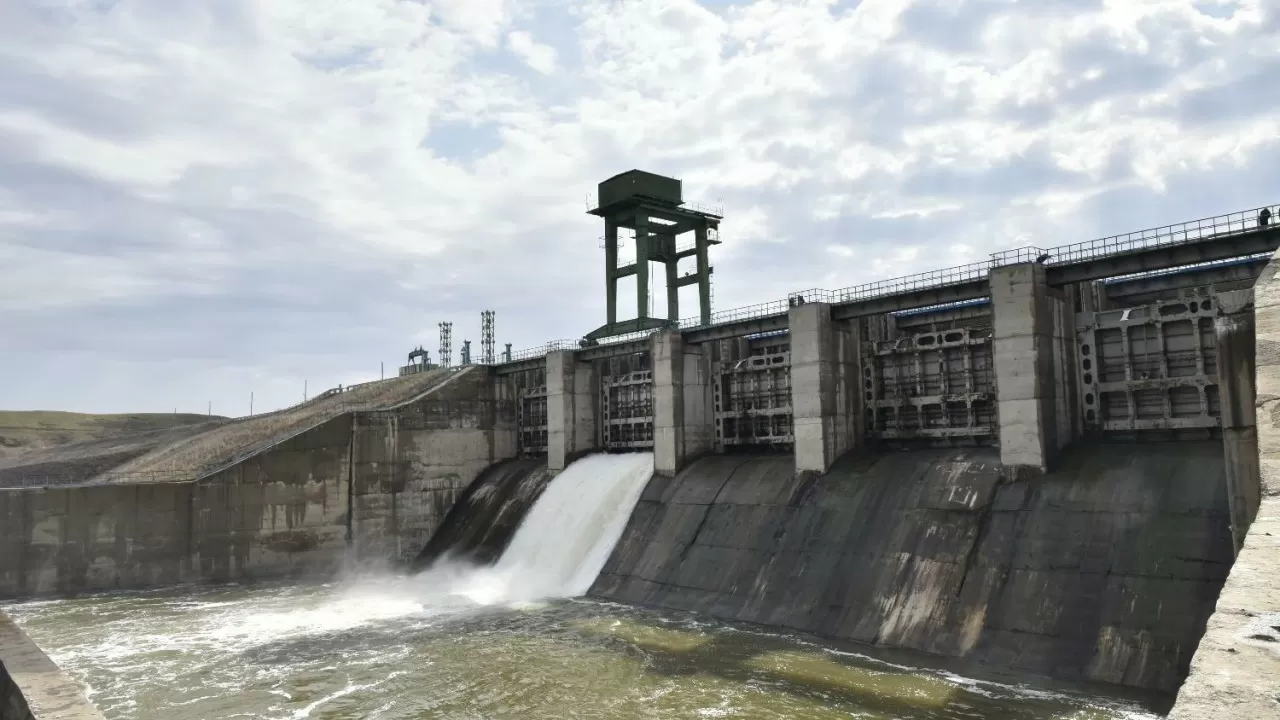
[505,641]
[389,648]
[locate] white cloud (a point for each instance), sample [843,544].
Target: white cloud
[537,56]
[272,191]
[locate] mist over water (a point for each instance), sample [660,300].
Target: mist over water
[458,641]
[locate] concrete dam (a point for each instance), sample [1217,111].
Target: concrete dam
[1052,464]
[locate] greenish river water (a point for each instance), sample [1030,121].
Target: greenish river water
[390,648]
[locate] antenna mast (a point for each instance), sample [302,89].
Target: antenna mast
[446,344]
[486,337]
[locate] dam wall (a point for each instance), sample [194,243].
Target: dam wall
[411,463]
[32,687]
[1032,365]
[1040,465]
[374,483]
[1104,569]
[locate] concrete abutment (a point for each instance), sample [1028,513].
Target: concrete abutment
[1234,329]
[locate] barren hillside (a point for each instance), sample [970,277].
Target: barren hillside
[22,432]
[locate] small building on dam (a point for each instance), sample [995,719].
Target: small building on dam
[1057,461]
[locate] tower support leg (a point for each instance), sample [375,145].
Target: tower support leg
[704,274]
[642,265]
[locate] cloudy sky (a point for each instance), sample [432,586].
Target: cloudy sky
[200,199]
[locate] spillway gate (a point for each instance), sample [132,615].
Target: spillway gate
[937,385]
[1151,367]
[752,397]
[531,411]
[626,403]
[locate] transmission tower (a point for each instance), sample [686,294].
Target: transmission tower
[466,352]
[486,336]
[446,344]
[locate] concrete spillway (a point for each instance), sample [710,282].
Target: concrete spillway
[567,535]
[1104,570]
[571,531]
[482,521]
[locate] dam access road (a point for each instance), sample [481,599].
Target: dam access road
[1060,462]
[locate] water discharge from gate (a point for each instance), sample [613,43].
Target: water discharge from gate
[568,534]
[556,552]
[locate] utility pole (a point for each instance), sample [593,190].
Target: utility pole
[250,403]
[382,370]
[304,391]
[211,407]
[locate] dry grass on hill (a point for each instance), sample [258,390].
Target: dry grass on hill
[26,431]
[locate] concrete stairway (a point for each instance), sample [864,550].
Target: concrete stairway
[208,452]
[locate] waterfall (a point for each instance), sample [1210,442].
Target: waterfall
[565,540]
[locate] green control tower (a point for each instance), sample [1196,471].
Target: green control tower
[652,206]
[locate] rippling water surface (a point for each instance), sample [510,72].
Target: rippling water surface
[413,648]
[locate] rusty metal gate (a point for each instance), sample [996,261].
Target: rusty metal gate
[753,399]
[531,411]
[1153,367]
[937,386]
[626,402]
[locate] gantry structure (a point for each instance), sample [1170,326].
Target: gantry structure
[652,207]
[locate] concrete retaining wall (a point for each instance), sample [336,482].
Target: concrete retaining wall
[1104,569]
[411,464]
[31,686]
[279,514]
[1236,670]
[288,512]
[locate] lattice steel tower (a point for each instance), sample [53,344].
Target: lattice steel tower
[486,337]
[651,205]
[446,344]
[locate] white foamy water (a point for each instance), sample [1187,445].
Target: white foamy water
[567,537]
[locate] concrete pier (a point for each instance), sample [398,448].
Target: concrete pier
[683,423]
[571,409]
[1234,329]
[1032,344]
[824,379]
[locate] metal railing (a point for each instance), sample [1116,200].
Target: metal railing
[541,350]
[1235,223]
[592,203]
[1220,226]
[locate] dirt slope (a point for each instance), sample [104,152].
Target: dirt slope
[25,431]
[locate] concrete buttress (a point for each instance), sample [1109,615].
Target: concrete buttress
[824,398]
[571,409]
[683,421]
[1031,347]
[1234,329]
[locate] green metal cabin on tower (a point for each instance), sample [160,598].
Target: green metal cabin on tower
[652,206]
